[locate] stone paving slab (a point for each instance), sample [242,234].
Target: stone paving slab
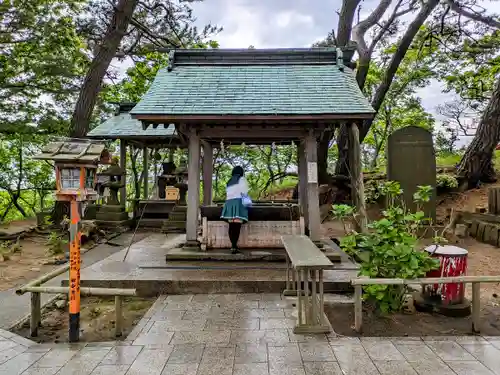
[180,345]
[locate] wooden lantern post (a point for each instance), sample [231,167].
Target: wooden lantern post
[76,178]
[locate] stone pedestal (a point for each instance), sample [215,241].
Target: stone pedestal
[112,216]
[176,222]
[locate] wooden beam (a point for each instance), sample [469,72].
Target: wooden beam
[302,169]
[312,188]
[193,201]
[123,166]
[145,167]
[311,118]
[208,158]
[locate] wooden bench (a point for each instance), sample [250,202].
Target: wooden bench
[305,264]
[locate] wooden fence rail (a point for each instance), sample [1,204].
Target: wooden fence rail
[474,280]
[34,287]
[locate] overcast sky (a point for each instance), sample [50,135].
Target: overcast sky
[289,23]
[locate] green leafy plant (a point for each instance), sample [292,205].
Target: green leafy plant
[56,244]
[373,191]
[390,247]
[446,181]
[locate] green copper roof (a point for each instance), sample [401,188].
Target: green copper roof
[255,82]
[124,126]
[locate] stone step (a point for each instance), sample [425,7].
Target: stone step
[125,224]
[110,208]
[177,216]
[111,216]
[151,223]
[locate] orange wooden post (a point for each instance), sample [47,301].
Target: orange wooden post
[74,272]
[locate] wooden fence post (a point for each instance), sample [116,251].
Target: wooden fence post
[36,311]
[119,316]
[476,307]
[358,307]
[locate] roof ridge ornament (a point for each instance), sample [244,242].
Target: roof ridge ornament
[171,56]
[340,59]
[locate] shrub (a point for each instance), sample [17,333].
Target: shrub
[390,247]
[446,181]
[56,244]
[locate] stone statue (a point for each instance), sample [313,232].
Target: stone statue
[182,185]
[167,178]
[115,183]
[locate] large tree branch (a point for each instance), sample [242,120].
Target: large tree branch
[358,35]
[346,18]
[476,16]
[396,59]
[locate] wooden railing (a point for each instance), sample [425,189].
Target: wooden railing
[474,280]
[36,289]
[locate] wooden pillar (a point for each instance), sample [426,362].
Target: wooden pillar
[123,166]
[357,185]
[193,201]
[312,188]
[302,170]
[208,169]
[145,167]
[155,181]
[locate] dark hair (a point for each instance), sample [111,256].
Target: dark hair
[238,171]
[236,174]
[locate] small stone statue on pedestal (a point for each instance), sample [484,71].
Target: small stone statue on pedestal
[167,178]
[115,183]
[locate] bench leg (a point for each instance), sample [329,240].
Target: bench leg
[300,302]
[311,305]
[290,289]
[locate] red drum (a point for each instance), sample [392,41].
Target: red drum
[452,262]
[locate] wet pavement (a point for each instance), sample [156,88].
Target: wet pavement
[245,334]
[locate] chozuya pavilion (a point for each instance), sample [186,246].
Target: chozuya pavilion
[253,96]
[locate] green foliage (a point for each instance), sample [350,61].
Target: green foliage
[446,181]
[401,107]
[56,244]
[390,248]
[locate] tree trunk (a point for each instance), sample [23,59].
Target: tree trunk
[476,164]
[80,121]
[323,147]
[342,166]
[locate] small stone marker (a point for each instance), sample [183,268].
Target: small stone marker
[411,161]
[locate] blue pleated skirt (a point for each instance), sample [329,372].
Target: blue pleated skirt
[234,209]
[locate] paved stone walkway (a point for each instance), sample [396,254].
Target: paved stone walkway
[14,307]
[245,334]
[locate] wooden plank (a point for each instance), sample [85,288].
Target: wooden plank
[430,280]
[304,253]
